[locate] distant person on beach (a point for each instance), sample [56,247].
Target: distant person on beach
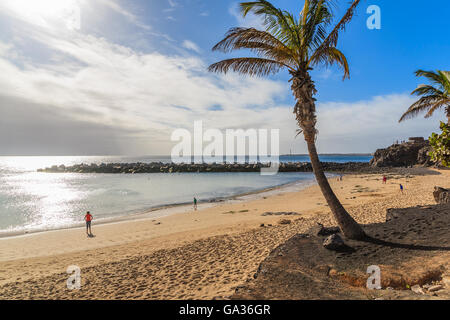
[88,218]
[195,204]
[384,179]
[401,188]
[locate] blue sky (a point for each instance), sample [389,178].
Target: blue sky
[136,70]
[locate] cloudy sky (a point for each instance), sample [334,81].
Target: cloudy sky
[129,72]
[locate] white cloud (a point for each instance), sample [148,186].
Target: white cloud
[130,16]
[250,21]
[140,98]
[364,126]
[143,96]
[191,46]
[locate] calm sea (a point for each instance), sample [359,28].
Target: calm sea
[32,201]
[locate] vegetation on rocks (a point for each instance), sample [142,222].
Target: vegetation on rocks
[440,144]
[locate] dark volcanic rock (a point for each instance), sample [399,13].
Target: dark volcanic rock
[320,230]
[155,167]
[423,158]
[441,195]
[402,155]
[334,242]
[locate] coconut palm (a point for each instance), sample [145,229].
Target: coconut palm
[298,45]
[433,97]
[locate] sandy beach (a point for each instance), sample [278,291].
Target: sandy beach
[194,254]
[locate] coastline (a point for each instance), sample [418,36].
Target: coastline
[194,255]
[161,211]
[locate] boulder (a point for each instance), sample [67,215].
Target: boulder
[334,242]
[441,195]
[321,230]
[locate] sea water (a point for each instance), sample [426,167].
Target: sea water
[32,201]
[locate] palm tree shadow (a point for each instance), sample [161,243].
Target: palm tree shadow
[385,243]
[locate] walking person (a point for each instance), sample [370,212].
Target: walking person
[384,179]
[88,218]
[195,204]
[401,188]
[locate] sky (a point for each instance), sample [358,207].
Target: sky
[117,77]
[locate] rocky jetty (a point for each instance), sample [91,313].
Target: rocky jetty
[159,167]
[406,154]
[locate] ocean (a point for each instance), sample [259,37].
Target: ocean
[32,201]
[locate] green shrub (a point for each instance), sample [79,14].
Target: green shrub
[441,145]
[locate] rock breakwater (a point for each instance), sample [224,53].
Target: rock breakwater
[159,167]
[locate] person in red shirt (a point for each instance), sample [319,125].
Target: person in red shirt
[88,218]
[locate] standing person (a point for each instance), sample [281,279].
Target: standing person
[88,218]
[384,179]
[195,203]
[401,188]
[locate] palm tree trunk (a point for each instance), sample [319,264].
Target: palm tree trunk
[303,89]
[348,225]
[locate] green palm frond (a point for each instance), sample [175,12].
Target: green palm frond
[295,43]
[438,78]
[433,97]
[332,39]
[275,20]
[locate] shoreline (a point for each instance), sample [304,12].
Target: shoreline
[170,209]
[195,255]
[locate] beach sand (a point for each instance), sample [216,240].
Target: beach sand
[193,254]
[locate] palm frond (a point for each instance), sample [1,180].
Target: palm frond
[316,19]
[433,77]
[436,106]
[433,97]
[330,56]
[445,75]
[424,89]
[422,105]
[275,20]
[261,42]
[250,66]
[332,38]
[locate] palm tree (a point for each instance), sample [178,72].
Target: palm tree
[433,97]
[297,45]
